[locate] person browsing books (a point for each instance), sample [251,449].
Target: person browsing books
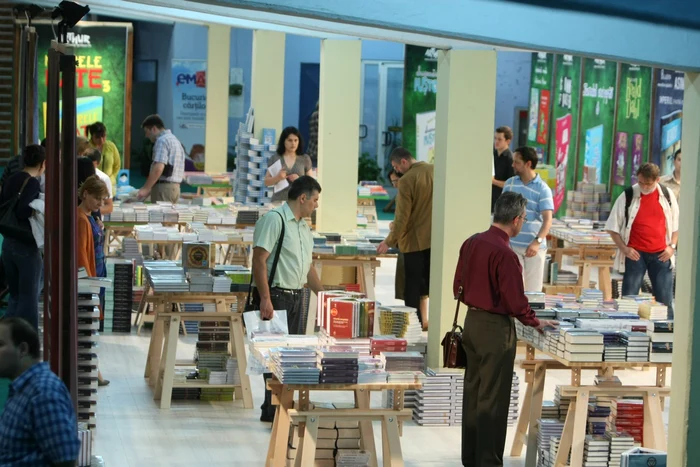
[278,283]
[168,166]
[488,279]
[643,224]
[38,425]
[290,154]
[531,243]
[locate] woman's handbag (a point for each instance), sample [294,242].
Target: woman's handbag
[453,354]
[9,223]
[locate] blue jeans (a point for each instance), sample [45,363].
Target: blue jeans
[660,274]
[23,269]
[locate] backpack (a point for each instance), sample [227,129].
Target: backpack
[629,193]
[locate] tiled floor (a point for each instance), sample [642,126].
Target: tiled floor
[133,432]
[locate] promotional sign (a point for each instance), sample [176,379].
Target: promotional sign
[540,102]
[101,54]
[420,91]
[668,115]
[566,97]
[425,137]
[633,121]
[597,119]
[189,101]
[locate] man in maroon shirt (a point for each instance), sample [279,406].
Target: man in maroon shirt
[489,281]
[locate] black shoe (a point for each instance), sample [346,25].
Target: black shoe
[266,417]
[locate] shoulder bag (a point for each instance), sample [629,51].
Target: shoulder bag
[453,353]
[10,225]
[249,302]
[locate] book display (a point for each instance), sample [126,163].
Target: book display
[251,163]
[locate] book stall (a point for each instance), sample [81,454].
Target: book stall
[593,424]
[367,195]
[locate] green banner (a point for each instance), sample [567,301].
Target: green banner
[419,101]
[597,120]
[564,129]
[632,133]
[101,54]
[540,102]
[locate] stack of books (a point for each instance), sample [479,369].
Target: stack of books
[370,370]
[439,401]
[214,336]
[403,361]
[598,419]
[549,428]
[596,451]
[88,325]
[379,344]
[537,300]
[233,376]
[352,458]
[562,401]
[514,396]
[615,350]
[550,409]
[583,346]
[122,296]
[400,321]
[630,418]
[637,346]
[339,365]
[590,200]
[661,347]
[166,276]
[653,311]
[130,251]
[200,280]
[221,284]
[607,381]
[619,442]
[295,365]
[628,305]
[350,318]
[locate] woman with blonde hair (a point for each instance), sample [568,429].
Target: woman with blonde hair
[111,161]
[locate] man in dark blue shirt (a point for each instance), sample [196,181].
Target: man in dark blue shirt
[38,426]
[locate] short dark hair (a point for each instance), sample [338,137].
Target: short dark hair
[153,121]
[290,130]
[508,206]
[676,154]
[400,153]
[21,331]
[649,170]
[528,154]
[303,185]
[506,131]
[86,169]
[93,154]
[96,129]
[34,155]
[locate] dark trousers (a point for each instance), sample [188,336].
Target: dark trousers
[290,301]
[660,274]
[490,343]
[417,282]
[23,270]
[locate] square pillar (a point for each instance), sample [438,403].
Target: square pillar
[267,88]
[216,132]
[684,419]
[339,134]
[466,100]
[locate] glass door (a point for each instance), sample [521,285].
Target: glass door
[382,110]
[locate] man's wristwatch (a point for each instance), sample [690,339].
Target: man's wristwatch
[539,240]
[673,245]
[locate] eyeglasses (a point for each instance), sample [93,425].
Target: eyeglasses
[523,218]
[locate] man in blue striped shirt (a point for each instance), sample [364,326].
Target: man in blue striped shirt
[531,244]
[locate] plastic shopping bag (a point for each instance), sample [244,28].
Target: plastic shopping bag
[256,326]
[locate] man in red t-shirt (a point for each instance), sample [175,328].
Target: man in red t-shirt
[645,230]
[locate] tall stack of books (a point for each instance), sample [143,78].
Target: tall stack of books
[549,429]
[514,396]
[596,451]
[400,321]
[88,325]
[583,345]
[251,163]
[439,401]
[630,418]
[637,345]
[295,365]
[339,365]
[619,442]
[661,347]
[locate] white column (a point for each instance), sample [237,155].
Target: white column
[267,89]
[684,420]
[338,134]
[466,97]
[216,133]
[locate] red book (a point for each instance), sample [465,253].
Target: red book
[342,316]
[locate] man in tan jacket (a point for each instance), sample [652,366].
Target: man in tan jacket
[412,224]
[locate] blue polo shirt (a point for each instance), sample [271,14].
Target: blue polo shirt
[539,198]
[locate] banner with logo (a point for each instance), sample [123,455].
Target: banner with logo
[566,98]
[632,126]
[189,101]
[419,99]
[667,118]
[101,54]
[540,102]
[597,120]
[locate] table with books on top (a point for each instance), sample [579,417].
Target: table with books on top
[593,421]
[590,246]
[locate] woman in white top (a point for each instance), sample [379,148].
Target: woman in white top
[290,152]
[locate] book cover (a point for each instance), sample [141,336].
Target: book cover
[342,319]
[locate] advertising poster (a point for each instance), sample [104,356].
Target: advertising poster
[667,118]
[540,102]
[620,161]
[420,90]
[101,54]
[425,137]
[566,97]
[189,101]
[634,120]
[597,119]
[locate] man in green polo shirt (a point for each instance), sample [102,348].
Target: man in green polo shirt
[283,289]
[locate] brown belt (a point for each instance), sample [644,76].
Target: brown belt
[473,308]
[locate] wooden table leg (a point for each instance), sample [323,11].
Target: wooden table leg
[391,448]
[585,279]
[535,414]
[281,436]
[238,345]
[605,282]
[654,435]
[307,445]
[661,382]
[567,435]
[398,406]
[143,307]
[368,280]
[155,347]
[366,429]
[576,376]
[167,366]
[578,439]
[523,422]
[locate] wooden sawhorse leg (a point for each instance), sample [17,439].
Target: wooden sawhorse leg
[166,371]
[535,413]
[391,444]
[143,307]
[155,348]
[654,435]
[237,350]
[279,439]
[366,430]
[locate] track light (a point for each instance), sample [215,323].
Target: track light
[70,13]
